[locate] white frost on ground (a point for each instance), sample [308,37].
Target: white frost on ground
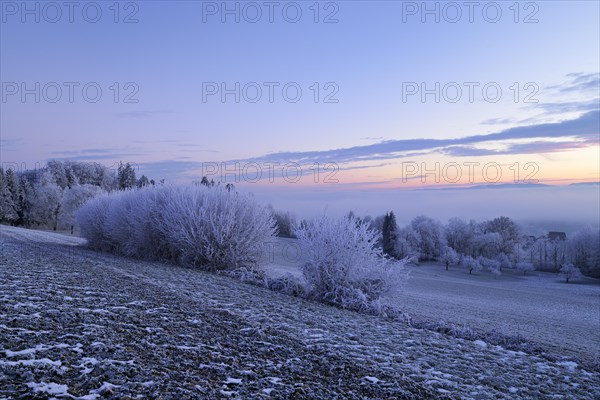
[371,379]
[538,306]
[49,388]
[283,342]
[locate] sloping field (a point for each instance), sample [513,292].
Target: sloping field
[538,307]
[76,323]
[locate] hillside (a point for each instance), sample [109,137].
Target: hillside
[81,324]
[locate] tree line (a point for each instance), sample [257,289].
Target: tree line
[492,245]
[49,196]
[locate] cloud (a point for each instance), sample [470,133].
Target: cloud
[96,154]
[83,152]
[569,106]
[112,156]
[498,121]
[581,82]
[584,129]
[536,147]
[584,86]
[372,138]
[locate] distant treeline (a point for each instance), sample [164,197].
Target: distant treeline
[48,197]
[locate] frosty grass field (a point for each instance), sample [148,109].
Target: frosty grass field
[75,323]
[538,306]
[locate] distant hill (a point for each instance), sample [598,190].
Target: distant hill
[493,186]
[509,186]
[585,184]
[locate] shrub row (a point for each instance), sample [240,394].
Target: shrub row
[210,228]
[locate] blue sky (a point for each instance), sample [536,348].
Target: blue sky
[367,61]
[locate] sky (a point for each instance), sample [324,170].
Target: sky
[307,103]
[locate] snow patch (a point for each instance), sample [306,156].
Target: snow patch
[40,361]
[372,379]
[50,388]
[570,365]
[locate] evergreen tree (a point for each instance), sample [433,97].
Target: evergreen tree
[15,194]
[26,201]
[126,176]
[143,181]
[8,211]
[390,234]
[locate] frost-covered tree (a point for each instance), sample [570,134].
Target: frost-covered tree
[59,173]
[450,257]
[429,237]
[26,200]
[504,261]
[126,176]
[73,198]
[556,253]
[143,181]
[8,211]
[459,235]
[492,265]
[14,190]
[406,245]
[525,267]
[390,234]
[584,249]
[91,173]
[344,266]
[45,204]
[569,272]
[284,221]
[507,229]
[487,245]
[470,264]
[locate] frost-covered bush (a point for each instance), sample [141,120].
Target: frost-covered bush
[525,267]
[133,224]
[287,284]
[249,274]
[216,228]
[207,227]
[569,272]
[91,220]
[344,266]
